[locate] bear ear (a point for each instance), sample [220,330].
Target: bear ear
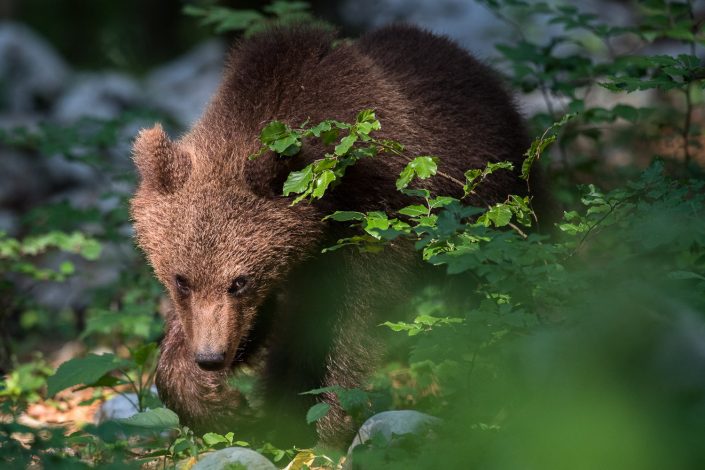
[162,165]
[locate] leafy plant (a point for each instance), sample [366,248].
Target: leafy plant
[137,373]
[249,22]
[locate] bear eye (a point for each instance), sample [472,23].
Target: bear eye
[238,286]
[182,285]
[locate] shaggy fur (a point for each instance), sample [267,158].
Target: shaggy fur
[206,213]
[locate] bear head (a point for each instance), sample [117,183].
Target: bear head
[219,246]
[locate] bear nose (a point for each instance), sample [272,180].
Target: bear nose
[210,361]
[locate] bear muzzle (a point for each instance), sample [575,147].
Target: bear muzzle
[210,361]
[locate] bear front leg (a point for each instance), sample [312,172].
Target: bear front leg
[202,399]
[326,334]
[374,285]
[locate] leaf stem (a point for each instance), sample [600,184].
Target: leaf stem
[409,160]
[686,125]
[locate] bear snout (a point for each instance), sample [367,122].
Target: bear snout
[210,361]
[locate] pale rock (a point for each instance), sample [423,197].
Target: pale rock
[221,459]
[31,71]
[182,88]
[102,95]
[391,423]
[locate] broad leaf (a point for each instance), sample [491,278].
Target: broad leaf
[421,167]
[83,370]
[345,216]
[322,182]
[298,181]
[316,412]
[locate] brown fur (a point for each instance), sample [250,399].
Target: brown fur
[206,213]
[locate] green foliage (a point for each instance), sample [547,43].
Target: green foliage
[23,385]
[316,412]
[419,167]
[589,54]
[421,324]
[16,255]
[249,22]
[316,178]
[137,373]
[538,146]
[358,404]
[215,440]
[86,370]
[87,140]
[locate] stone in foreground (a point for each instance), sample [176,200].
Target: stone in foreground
[225,458]
[390,423]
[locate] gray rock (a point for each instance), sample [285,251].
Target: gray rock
[9,222]
[248,458]
[467,22]
[75,292]
[61,171]
[472,25]
[30,69]
[390,423]
[22,179]
[119,407]
[98,95]
[183,87]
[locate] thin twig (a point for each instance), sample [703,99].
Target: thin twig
[602,219]
[409,160]
[455,180]
[686,125]
[688,100]
[518,230]
[134,387]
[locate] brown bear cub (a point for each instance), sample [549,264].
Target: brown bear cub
[244,269]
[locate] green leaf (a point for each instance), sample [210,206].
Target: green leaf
[352,399]
[414,210]
[287,146]
[66,268]
[425,193]
[441,201]
[320,128]
[211,439]
[375,221]
[345,145]
[366,115]
[500,215]
[471,180]
[322,182]
[494,166]
[298,181]
[91,250]
[421,167]
[142,354]
[424,167]
[319,391]
[345,216]
[540,144]
[316,412]
[273,131]
[156,419]
[84,370]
